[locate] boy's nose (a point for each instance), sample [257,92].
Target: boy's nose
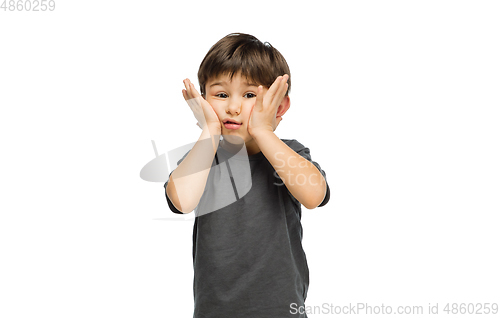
[234,107]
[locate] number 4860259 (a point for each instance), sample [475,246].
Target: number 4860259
[28,5]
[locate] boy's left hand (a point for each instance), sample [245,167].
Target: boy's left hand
[263,114]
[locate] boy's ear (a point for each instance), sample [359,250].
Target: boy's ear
[283,107]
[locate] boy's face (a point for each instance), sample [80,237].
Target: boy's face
[233,100]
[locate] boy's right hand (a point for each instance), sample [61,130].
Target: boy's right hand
[202,110]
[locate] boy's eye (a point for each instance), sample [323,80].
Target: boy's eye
[224,95]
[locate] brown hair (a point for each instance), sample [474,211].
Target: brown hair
[258,62]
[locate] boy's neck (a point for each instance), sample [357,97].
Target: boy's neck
[232,145]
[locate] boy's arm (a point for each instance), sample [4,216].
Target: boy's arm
[187,183]
[301,177]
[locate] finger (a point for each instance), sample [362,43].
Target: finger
[195,95]
[285,80]
[283,85]
[277,95]
[193,103]
[191,94]
[272,90]
[282,93]
[188,88]
[194,91]
[260,98]
[278,98]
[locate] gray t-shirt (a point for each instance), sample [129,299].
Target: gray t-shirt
[247,256]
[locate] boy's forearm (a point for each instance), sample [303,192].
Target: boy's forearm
[187,183]
[301,177]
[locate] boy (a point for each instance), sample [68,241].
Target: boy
[247,254]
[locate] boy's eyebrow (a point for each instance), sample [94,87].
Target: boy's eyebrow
[224,82]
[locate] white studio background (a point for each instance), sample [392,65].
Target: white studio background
[397,100]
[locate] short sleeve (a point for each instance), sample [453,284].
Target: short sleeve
[170,204]
[305,152]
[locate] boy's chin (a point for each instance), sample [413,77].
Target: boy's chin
[233,139]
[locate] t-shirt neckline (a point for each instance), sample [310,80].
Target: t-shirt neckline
[257,156]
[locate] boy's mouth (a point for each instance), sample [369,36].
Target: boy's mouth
[231,123]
